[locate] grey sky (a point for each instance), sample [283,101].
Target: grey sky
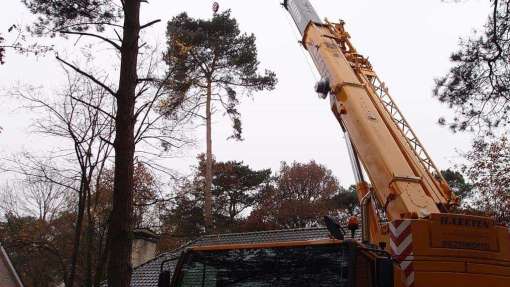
[408,43]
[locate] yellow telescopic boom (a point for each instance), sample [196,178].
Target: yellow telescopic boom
[404,179]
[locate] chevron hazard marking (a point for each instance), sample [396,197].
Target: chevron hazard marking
[401,244]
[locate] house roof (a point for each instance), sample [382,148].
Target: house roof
[8,275]
[145,234]
[146,275]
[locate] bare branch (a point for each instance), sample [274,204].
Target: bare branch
[92,78]
[93,106]
[94,36]
[118,36]
[150,24]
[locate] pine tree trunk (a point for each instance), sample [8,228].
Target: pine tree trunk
[120,228]
[208,164]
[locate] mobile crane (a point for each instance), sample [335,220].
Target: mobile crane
[410,236]
[407,204]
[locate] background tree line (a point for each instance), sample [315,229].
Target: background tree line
[39,226]
[296,196]
[40,216]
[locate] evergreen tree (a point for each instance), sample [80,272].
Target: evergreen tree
[212,63]
[457,183]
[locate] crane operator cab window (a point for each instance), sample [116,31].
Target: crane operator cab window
[313,265]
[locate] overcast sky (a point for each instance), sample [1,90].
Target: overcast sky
[408,43]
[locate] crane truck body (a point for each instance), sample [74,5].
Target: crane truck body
[410,236]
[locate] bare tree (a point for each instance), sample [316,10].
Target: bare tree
[84,115]
[81,118]
[488,170]
[42,200]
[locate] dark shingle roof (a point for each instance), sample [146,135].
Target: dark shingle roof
[146,275]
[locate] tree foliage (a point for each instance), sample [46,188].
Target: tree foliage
[40,250]
[298,196]
[302,194]
[477,86]
[489,172]
[39,231]
[148,197]
[2,50]
[458,184]
[345,203]
[77,15]
[236,187]
[184,219]
[18,41]
[214,52]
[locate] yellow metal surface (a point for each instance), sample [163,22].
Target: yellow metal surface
[454,279]
[395,174]
[479,255]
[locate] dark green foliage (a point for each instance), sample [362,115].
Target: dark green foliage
[213,52]
[346,202]
[2,50]
[184,220]
[477,86]
[236,187]
[76,15]
[457,183]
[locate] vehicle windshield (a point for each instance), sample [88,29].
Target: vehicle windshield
[313,265]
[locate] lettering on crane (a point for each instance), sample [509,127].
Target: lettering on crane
[465,245]
[455,231]
[468,222]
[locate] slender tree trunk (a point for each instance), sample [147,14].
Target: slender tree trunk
[208,164]
[77,232]
[232,213]
[120,228]
[102,257]
[90,241]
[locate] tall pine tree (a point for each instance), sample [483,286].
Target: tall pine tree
[212,63]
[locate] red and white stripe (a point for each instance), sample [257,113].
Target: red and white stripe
[401,243]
